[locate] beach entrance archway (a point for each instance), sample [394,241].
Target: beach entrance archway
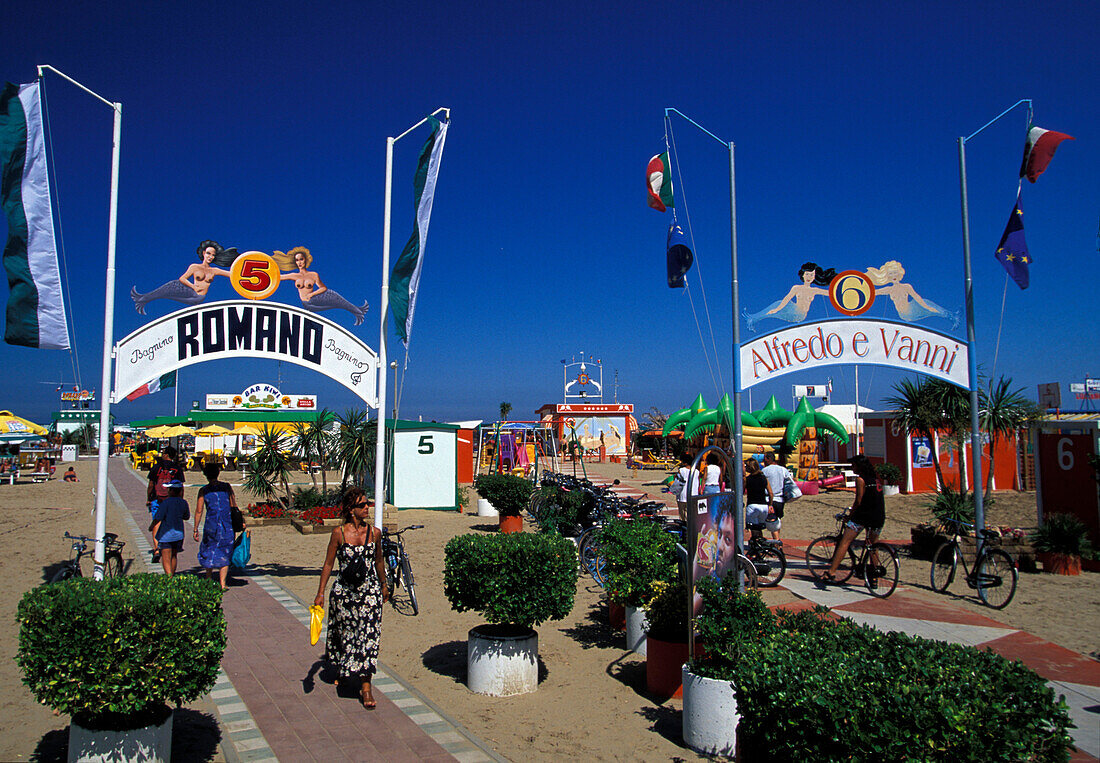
[245,329]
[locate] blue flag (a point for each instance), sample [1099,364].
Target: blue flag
[679,256]
[1012,251]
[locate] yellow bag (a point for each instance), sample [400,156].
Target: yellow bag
[316,617]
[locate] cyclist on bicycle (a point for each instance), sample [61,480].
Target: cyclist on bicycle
[868,513]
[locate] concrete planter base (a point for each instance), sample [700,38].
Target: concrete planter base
[637,626]
[485,509]
[502,660]
[710,715]
[149,744]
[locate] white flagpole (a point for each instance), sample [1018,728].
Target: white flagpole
[380,442]
[108,331]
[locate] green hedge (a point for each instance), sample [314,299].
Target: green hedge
[810,687]
[508,493]
[515,578]
[562,510]
[638,553]
[120,647]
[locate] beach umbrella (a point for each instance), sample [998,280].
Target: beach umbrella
[156,432]
[177,430]
[213,431]
[251,429]
[11,424]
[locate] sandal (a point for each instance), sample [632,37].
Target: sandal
[367,698]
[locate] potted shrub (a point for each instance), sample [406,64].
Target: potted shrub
[638,554]
[509,496]
[1060,542]
[516,581]
[890,476]
[667,639]
[112,654]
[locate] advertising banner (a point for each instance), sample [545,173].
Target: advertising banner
[245,329]
[812,346]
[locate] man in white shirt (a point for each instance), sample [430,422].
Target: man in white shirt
[776,474]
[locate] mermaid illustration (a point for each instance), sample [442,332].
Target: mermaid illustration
[910,305]
[191,287]
[794,307]
[315,296]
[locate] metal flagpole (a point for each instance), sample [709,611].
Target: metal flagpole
[380,443]
[972,364]
[108,330]
[858,448]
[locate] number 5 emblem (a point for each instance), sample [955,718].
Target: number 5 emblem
[254,275]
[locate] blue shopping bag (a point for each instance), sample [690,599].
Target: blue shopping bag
[242,551]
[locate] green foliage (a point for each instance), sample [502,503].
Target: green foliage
[354,447]
[638,554]
[667,611]
[118,647]
[1062,534]
[888,473]
[560,511]
[508,493]
[306,498]
[810,687]
[955,505]
[511,578]
[462,497]
[270,465]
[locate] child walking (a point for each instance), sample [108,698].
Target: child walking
[167,525]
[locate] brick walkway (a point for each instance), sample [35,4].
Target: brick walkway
[273,699]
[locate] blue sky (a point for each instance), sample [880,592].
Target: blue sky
[264,128]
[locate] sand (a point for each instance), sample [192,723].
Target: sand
[591,702]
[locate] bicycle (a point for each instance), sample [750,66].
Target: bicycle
[994,575]
[767,557]
[112,562]
[877,565]
[398,566]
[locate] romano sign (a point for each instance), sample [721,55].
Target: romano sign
[874,342]
[245,329]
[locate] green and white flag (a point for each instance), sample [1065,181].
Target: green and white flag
[406,271]
[36,309]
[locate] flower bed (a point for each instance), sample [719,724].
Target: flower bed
[318,514]
[267,510]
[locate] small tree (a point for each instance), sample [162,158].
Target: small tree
[505,409]
[1002,411]
[355,447]
[269,465]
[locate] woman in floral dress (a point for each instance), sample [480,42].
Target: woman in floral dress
[355,603]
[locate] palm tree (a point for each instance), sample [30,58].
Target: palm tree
[322,442]
[1001,412]
[504,410]
[918,414]
[953,404]
[270,464]
[355,447]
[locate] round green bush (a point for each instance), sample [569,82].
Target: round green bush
[120,647]
[508,493]
[639,553]
[513,578]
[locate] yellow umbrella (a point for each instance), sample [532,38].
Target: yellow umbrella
[12,424]
[251,429]
[177,430]
[213,431]
[156,432]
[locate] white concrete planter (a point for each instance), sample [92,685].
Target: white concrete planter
[890,490]
[637,627]
[485,509]
[710,715]
[149,744]
[502,660]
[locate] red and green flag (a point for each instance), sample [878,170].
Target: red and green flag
[1039,150]
[658,180]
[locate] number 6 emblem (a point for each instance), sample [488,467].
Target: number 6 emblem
[852,292]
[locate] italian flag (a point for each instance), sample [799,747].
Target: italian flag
[1039,150]
[163,382]
[36,309]
[405,280]
[658,182]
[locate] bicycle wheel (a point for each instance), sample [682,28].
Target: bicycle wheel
[944,563]
[64,573]
[819,555]
[771,565]
[996,578]
[113,566]
[880,569]
[407,574]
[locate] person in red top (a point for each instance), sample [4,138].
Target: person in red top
[166,470]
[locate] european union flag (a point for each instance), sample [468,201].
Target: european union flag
[679,256]
[1012,251]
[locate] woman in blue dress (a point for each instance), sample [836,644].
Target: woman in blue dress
[216,499]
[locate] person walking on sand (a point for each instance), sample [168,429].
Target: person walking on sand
[355,602]
[217,500]
[167,526]
[776,475]
[164,471]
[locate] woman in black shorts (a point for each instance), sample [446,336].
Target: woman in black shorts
[868,512]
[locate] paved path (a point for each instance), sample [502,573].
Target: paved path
[273,700]
[1073,675]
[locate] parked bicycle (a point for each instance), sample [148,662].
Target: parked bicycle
[876,564]
[113,565]
[994,575]
[398,567]
[767,557]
